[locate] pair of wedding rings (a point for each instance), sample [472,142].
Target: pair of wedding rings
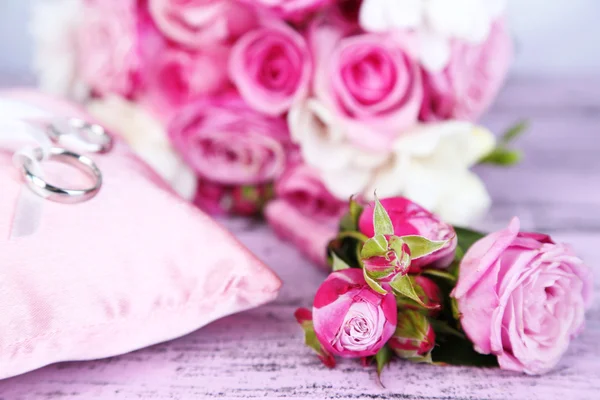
[86,137]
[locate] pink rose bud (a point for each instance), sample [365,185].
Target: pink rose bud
[250,200]
[395,261]
[409,218]
[428,292]
[414,337]
[350,319]
[523,298]
[271,67]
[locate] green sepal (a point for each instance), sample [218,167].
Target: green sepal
[376,246]
[502,157]
[426,359]
[383,358]
[403,286]
[304,318]
[455,311]
[420,246]
[338,264]
[381,220]
[350,220]
[373,284]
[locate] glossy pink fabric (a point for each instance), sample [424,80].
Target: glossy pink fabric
[133,267]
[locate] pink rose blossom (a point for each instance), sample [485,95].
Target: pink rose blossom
[350,319]
[305,213]
[271,68]
[107,47]
[522,297]
[293,10]
[179,76]
[371,82]
[409,218]
[225,141]
[467,86]
[216,199]
[197,23]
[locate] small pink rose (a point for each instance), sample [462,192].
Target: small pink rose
[522,297]
[414,337]
[107,43]
[225,141]
[472,79]
[217,199]
[198,23]
[409,218]
[428,292]
[350,319]
[271,67]
[384,268]
[179,76]
[371,82]
[293,10]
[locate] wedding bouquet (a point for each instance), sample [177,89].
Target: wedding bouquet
[406,283]
[290,106]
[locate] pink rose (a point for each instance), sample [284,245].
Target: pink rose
[522,297]
[350,319]
[293,10]
[179,76]
[216,199]
[197,23]
[305,213]
[371,82]
[225,141]
[409,218]
[468,85]
[271,68]
[107,46]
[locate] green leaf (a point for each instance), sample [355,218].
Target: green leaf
[466,237]
[349,221]
[514,132]
[421,246]
[455,311]
[381,220]
[373,284]
[502,157]
[402,285]
[383,358]
[338,263]
[443,328]
[376,246]
[440,274]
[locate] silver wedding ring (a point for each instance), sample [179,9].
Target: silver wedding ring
[85,136]
[64,195]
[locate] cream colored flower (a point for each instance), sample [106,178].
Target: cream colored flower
[147,137]
[54,25]
[437,22]
[430,164]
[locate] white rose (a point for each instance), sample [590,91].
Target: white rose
[147,137]
[430,164]
[437,22]
[54,25]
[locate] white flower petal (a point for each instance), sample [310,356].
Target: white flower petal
[405,13]
[345,183]
[372,16]
[465,201]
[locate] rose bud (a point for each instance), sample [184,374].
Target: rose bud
[387,258]
[350,319]
[522,297]
[428,292]
[409,218]
[414,337]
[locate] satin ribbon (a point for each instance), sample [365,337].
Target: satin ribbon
[31,147]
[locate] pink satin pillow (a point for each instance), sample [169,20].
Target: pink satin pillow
[132,267]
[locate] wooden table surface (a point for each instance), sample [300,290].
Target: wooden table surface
[260,354]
